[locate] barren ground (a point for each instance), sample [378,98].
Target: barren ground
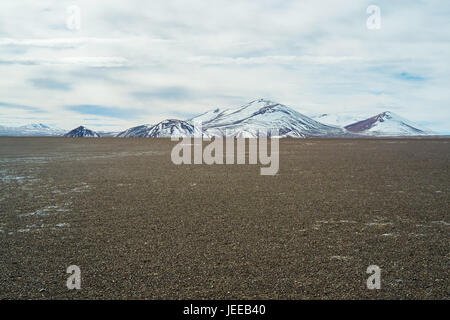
[141,227]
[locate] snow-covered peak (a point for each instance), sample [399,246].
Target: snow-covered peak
[82,132]
[35,126]
[38,129]
[243,112]
[219,117]
[139,131]
[258,117]
[388,124]
[173,128]
[164,129]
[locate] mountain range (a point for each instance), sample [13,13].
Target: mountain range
[254,119]
[259,116]
[32,130]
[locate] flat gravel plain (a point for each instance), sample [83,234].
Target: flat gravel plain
[140,227]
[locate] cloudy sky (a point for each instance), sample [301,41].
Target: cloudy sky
[134,62]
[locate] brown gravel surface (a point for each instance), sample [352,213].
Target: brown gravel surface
[141,227]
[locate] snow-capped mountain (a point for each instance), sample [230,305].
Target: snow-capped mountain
[82,132]
[259,116]
[254,119]
[387,124]
[135,132]
[164,129]
[31,130]
[340,119]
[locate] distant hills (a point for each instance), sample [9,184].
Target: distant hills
[251,120]
[30,130]
[387,124]
[384,124]
[261,115]
[164,129]
[82,132]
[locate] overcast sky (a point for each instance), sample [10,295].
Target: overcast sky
[135,62]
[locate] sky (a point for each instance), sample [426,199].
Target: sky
[111,64]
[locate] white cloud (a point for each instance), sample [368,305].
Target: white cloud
[58,42]
[284,60]
[81,61]
[317,56]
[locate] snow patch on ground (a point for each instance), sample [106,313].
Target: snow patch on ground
[60,225]
[10,178]
[388,235]
[83,187]
[45,211]
[38,228]
[441,222]
[379,224]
